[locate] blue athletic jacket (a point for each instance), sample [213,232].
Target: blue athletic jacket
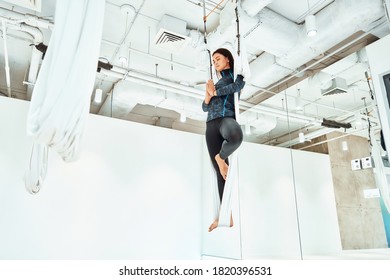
[222,105]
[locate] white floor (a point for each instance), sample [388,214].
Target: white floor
[369,254]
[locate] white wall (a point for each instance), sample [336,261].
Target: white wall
[133,194]
[317,212]
[143,192]
[223,242]
[271,181]
[266,224]
[269,223]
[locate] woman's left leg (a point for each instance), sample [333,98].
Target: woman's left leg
[232,133]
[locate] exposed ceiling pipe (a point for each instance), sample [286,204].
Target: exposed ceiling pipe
[325,130]
[322,132]
[327,140]
[36,33]
[249,19]
[36,55]
[199,94]
[32,20]
[126,96]
[386,4]
[323,79]
[29,24]
[334,24]
[270,32]
[285,44]
[298,118]
[133,94]
[196,42]
[7,70]
[302,69]
[225,34]
[260,123]
[155,82]
[256,22]
[308,136]
[253,7]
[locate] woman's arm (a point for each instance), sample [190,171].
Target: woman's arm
[205,107]
[233,87]
[210,93]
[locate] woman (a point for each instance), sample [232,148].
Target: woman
[223,133]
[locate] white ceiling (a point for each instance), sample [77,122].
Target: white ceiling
[283,61]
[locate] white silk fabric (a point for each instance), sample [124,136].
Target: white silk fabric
[61,96]
[223,210]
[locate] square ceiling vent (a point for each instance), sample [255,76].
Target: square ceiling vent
[171,34]
[28,4]
[338,85]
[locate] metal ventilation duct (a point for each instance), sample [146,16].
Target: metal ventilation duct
[338,85]
[171,34]
[28,4]
[170,41]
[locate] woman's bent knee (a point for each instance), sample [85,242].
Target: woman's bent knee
[237,136]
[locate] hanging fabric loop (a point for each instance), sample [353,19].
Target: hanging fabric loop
[61,96]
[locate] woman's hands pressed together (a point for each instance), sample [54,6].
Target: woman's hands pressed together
[210,91]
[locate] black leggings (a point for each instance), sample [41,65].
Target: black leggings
[223,137]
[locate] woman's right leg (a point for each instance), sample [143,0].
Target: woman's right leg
[214,142]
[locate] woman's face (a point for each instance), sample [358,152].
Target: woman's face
[220,62]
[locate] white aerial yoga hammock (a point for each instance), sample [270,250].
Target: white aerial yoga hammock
[223,210]
[61,97]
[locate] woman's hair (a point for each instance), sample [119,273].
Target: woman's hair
[228,54]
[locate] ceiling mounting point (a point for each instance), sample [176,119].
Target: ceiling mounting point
[128,9]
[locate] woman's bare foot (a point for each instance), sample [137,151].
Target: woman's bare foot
[223,167]
[214,225]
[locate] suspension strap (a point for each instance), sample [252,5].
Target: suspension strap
[238,30]
[232,179]
[368,78]
[222,210]
[205,34]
